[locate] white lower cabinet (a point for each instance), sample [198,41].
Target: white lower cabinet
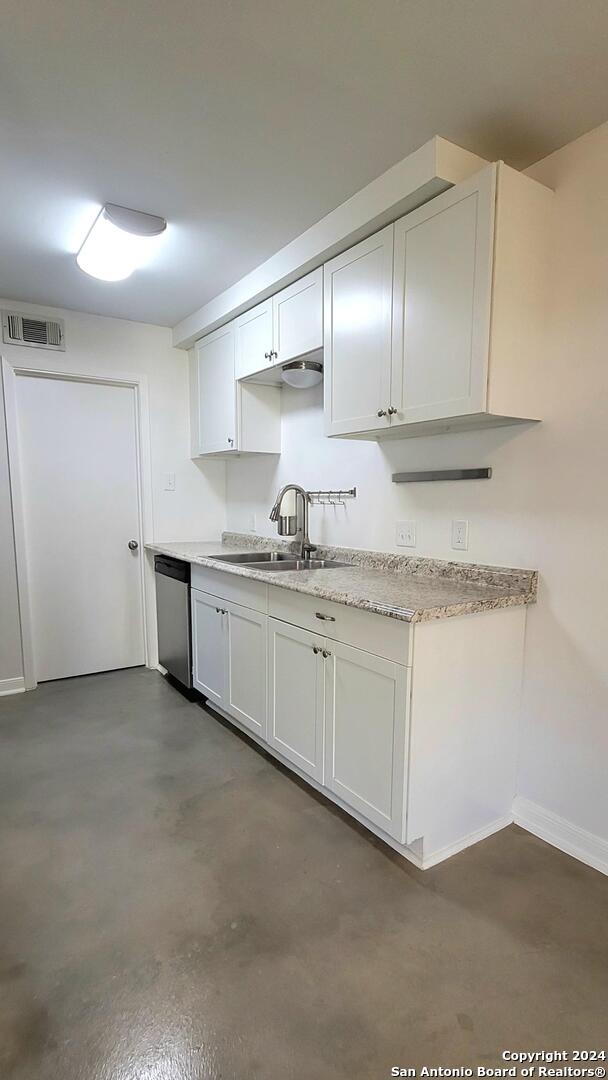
[422,751]
[296,696]
[365,734]
[208,646]
[229,658]
[245,695]
[339,714]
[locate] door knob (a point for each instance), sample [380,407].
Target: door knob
[133,545]
[381,412]
[392,410]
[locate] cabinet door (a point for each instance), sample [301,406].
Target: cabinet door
[254,340]
[246,671]
[298,318]
[357,336]
[296,696]
[216,391]
[208,645]
[441,308]
[366,710]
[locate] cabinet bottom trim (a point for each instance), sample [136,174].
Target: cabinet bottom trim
[434,857]
[414,852]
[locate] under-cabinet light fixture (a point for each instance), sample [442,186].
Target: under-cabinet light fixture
[118,242]
[302,373]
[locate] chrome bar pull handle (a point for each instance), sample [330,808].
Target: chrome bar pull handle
[326,618]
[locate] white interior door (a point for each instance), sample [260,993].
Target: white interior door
[81,507]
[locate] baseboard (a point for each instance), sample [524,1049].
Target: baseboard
[12,686]
[464,842]
[562,834]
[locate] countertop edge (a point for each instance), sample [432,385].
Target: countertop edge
[469,607]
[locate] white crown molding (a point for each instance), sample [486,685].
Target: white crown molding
[434,167]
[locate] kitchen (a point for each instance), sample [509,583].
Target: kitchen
[302,626]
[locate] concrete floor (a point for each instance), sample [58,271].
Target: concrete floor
[173,905]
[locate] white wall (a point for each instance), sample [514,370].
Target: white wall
[95,345]
[545,506]
[11,664]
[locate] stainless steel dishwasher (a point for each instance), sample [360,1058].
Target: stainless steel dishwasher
[173,617]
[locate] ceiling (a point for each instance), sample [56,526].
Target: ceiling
[244,122]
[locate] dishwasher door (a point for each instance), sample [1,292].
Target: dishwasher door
[173,617]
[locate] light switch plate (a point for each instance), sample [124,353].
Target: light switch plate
[406,534]
[170,481]
[460,535]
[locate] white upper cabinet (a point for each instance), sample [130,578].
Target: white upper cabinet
[231,417]
[288,325]
[297,318]
[451,334]
[357,337]
[434,323]
[254,339]
[216,397]
[441,304]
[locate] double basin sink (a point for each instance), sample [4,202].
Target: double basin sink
[277,560]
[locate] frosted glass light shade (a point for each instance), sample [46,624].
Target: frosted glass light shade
[302,373]
[118,242]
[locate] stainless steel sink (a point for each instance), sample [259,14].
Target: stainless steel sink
[277,560]
[300,564]
[255,557]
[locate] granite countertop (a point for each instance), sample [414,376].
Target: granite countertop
[404,587]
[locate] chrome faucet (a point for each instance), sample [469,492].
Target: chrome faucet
[290,525]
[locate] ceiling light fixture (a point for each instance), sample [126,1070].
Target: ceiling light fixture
[119,241]
[302,373]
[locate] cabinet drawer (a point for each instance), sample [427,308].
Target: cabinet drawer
[251,594]
[363,629]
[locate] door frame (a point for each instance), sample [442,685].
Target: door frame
[11,371]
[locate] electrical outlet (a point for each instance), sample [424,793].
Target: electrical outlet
[170,481]
[252,523]
[406,534]
[460,535]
